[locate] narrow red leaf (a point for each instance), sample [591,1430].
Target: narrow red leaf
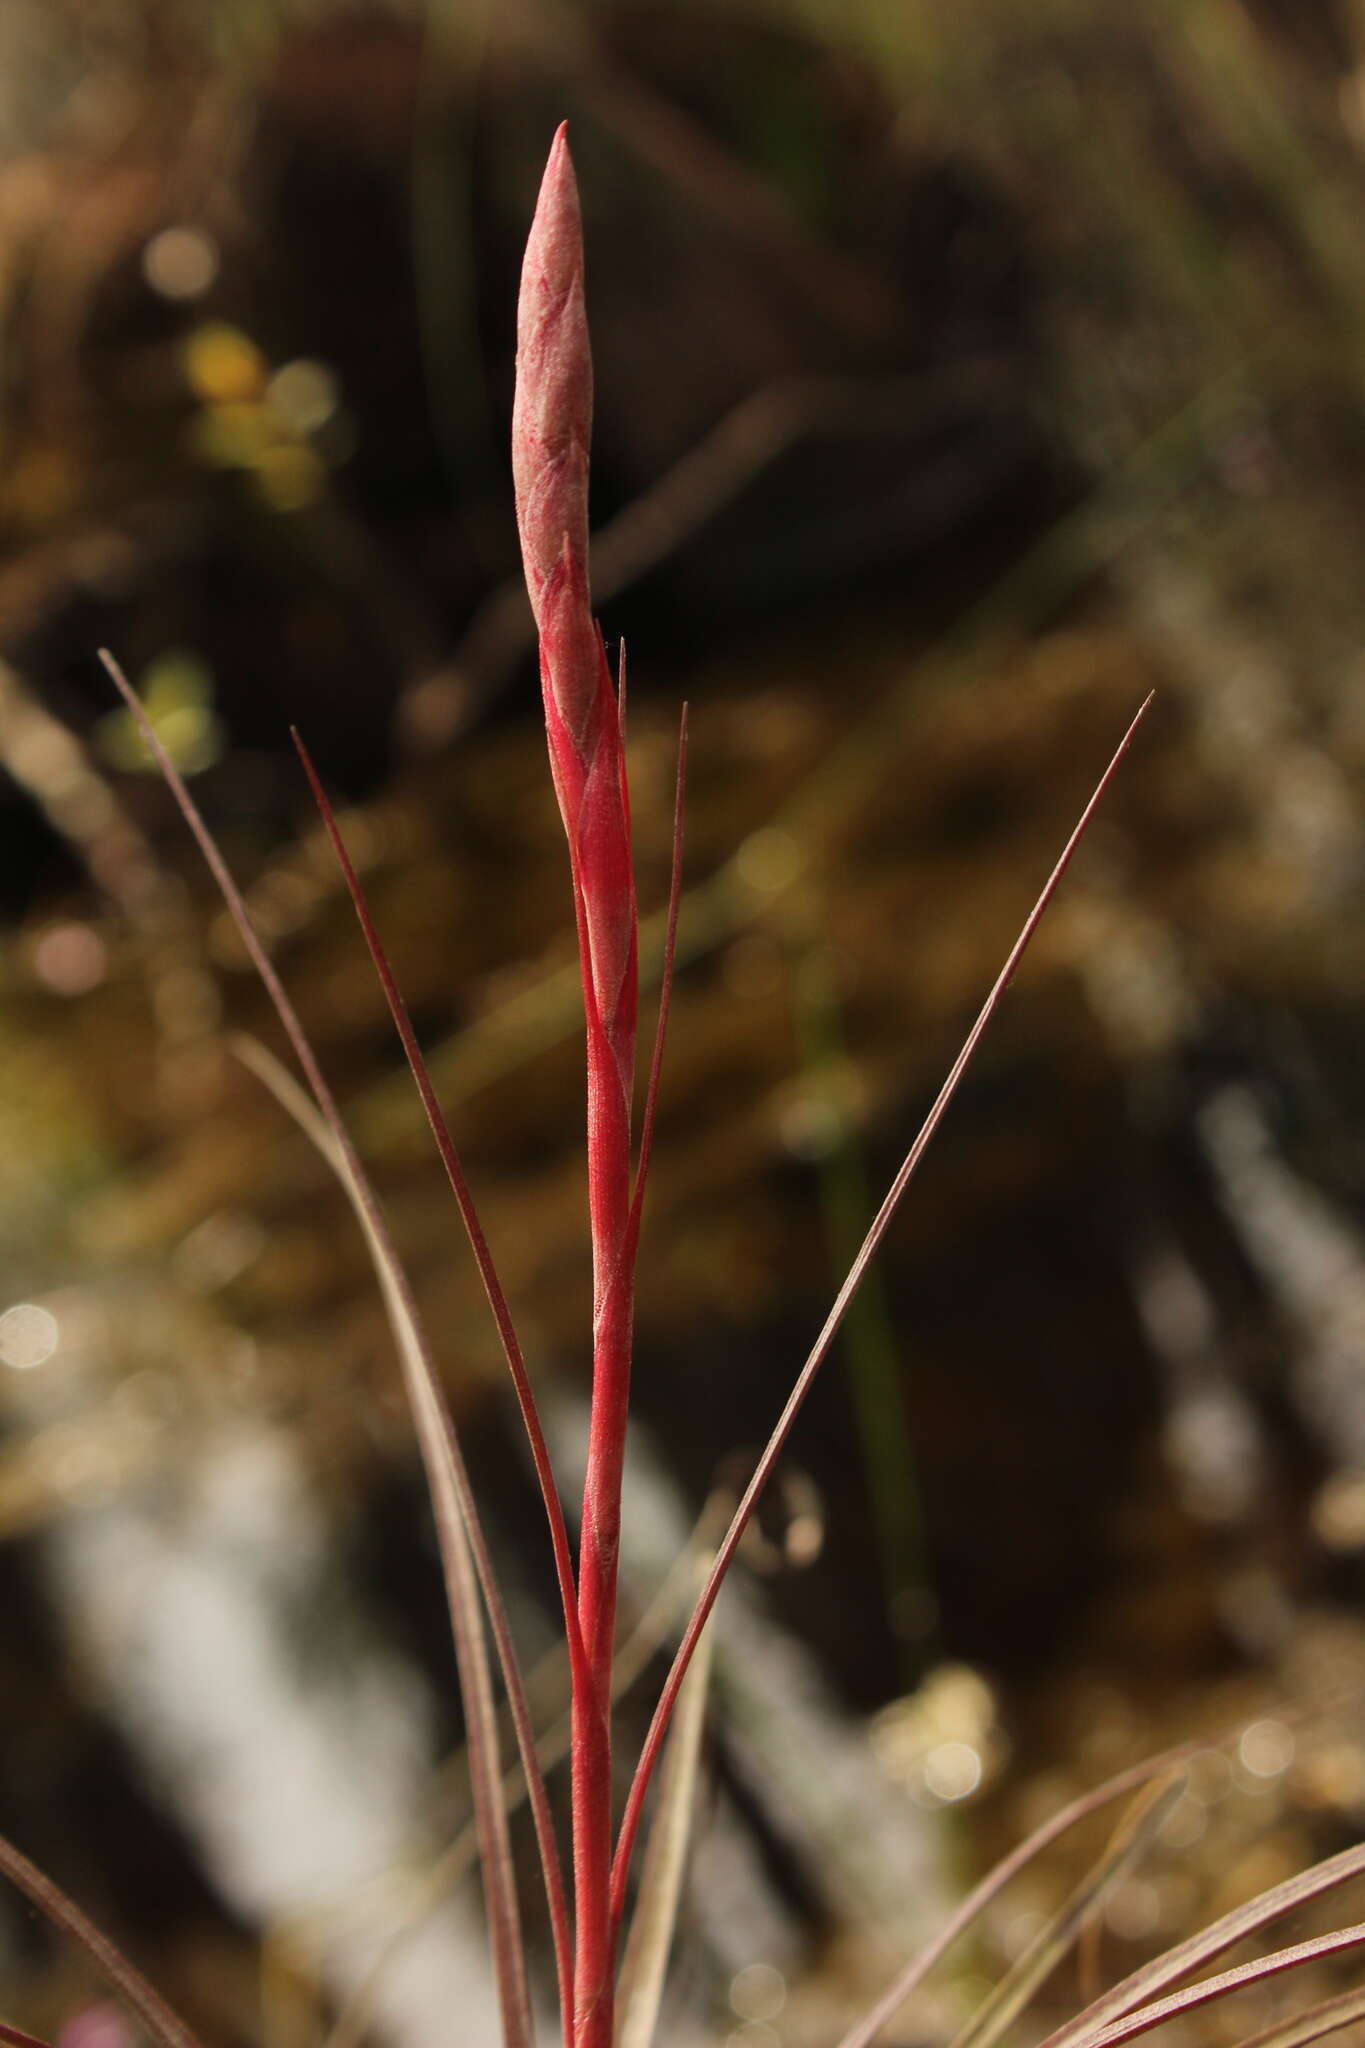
[516,1363]
[511,1345]
[455,1174]
[624,1269]
[881,1223]
[656,1058]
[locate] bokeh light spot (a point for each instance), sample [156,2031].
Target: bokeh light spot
[180,263]
[758,1992]
[28,1336]
[952,1770]
[1266,1749]
[70,959]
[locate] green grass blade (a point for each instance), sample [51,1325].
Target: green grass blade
[873,1354]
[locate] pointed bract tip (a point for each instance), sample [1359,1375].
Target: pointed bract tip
[551,429]
[555,244]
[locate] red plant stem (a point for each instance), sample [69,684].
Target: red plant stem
[551,425]
[592,800]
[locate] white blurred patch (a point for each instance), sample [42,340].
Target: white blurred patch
[294,1749]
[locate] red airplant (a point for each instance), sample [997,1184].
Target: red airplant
[584,715]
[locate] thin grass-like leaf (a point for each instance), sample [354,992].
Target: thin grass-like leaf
[1190,1955]
[1258,1971]
[458,1529]
[1074,1815]
[645,1965]
[1304,2027]
[411,1344]
[880,1225]
[1002,2006]
[1081,1809]
[128,1983]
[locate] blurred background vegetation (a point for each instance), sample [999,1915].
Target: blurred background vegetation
[963,373]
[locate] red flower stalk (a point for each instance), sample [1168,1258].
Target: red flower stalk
[551,424]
